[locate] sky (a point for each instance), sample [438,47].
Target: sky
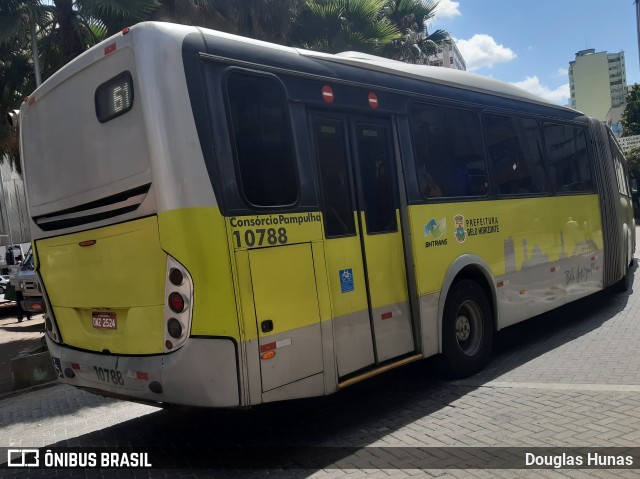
[530,43]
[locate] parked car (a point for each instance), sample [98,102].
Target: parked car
[29,286]
[4,281]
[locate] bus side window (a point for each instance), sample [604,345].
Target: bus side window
[568,158]
[515,152]
[619,164]
[448,152]
[261,137]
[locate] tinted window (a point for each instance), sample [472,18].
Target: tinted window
[261,136]
[447,146]
[331,153]
[377,176]
[568,159]
[619,163]
[514,146]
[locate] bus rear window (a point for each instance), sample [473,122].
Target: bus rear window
[261,137]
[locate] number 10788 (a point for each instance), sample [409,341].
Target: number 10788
[260,237]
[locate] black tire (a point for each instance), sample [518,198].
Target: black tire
[622,286]
[467,329]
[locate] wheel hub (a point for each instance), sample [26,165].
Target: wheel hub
[469,327]
[463,329]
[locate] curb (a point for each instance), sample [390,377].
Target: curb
[19,392]
[32,370]
[27,372]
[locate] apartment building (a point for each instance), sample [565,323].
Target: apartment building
[598,82]
[448,56]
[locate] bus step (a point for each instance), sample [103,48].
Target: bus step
[381,369]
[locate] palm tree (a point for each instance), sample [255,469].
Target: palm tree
[411,17]
[334,26]
[16,77]
[268,20]
[20,21]
[73,26]
[205,13]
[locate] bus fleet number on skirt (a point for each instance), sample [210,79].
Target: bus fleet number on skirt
[260,237]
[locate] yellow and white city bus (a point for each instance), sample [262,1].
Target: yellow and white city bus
[219,221]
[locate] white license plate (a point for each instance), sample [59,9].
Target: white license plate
[104,320]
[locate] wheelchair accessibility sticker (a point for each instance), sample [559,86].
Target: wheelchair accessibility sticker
[346,280]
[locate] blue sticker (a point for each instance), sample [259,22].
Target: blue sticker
[346,280]
[57,365]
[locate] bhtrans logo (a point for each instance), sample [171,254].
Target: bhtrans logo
[435,228]
[23,458]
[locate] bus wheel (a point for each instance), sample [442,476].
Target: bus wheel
[467,329]
[622,286]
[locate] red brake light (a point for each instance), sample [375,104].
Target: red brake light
[176,302]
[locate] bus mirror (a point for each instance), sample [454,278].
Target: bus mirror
[13,117]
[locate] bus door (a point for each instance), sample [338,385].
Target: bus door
[363,247]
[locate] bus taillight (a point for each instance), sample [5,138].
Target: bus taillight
[176,277]
[176,302]
[178,309]
[174,327]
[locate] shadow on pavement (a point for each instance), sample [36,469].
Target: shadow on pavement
[8,310]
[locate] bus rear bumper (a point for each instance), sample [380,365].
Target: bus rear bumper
[202,373]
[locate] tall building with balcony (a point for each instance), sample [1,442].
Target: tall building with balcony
[598,82]
[448,56]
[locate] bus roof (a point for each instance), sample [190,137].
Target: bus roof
[432,74]
[445,76]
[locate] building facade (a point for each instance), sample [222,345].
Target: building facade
[598,82]
[448,56]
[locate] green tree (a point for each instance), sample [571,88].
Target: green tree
[334,26]
[633,160]
[267,20]
[20,22]
[75,25]
[16,77]
[411,18]
[631,116]
[205,13]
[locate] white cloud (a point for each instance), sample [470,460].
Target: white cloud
[562,72]
[482,51]
[532,84]
[447,9]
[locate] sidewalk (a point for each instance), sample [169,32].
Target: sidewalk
[16,339]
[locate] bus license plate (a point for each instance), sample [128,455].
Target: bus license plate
[104,320]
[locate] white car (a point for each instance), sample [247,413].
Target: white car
[29,286]
[4,281]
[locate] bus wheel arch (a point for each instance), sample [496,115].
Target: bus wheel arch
[467,317]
